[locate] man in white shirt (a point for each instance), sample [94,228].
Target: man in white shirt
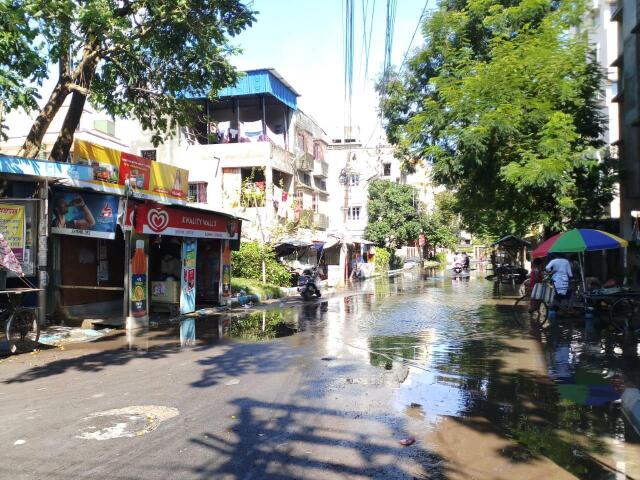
[561,274]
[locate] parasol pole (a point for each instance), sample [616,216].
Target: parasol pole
[584,285]
[624,260]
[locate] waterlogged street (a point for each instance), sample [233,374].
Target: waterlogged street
[421,376]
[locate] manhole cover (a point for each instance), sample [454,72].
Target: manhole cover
[124,422]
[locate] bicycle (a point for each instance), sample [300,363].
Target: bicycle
[540,314]
[22,328]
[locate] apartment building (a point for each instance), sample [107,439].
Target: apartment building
[626,13]
[252,152]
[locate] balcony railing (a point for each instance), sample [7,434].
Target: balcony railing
[304,162]
[320,221]
[322,169]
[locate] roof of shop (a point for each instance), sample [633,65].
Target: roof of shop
[511,241]
[263,81]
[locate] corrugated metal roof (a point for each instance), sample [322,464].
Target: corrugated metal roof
[263,81]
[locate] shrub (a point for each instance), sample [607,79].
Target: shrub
[247,263]
[441,258]
[382,259]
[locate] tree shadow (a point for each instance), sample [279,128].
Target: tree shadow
[285,441]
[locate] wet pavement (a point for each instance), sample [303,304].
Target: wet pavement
[329,389]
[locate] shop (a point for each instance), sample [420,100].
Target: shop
[86,257]
[24,204]
[125,248]
[189,258]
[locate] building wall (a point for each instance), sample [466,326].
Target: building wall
[628,94]
[367,164]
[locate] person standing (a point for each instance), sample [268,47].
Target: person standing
[561,275]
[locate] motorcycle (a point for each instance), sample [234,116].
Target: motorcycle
[457,268]
[308,284]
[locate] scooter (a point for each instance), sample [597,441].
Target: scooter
[308,284]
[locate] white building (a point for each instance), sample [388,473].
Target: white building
[95,127]
[353,167]
[603,36]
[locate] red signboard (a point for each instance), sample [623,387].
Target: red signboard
[135,169]
[163,220]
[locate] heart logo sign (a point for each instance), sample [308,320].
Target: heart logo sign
[157,219]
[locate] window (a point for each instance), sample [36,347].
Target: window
[353,213]
[306,179]
[315,201]
[321,184]
[354,179]
[149,154]
[318,153]
[386,169]
[300,142]
[198,192]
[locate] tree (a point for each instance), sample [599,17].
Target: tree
[394,214]
[22,68]
[132,58]
[503,101]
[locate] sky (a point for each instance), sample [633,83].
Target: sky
[304,41]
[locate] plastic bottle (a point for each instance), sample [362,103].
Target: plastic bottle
[139,281]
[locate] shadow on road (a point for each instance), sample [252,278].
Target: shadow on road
[284,441]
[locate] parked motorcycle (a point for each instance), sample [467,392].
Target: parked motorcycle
[308,283]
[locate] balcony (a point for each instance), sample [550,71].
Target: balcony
[320,221]
[305,162]
[321,169]
[233,155]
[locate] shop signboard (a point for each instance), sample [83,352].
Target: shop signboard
[42,168]
[162,220]
[13,228]
[145,178]
[188,282]
[84,214]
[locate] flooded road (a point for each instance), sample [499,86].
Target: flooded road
[329,389]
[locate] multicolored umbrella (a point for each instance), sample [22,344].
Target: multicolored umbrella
[579,240]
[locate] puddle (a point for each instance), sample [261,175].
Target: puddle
[555,397]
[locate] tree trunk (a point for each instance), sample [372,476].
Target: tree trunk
[60,151]
[61,148]
[31,145]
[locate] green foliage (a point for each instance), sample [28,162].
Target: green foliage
[147,55]
[503,102]
[382,259]
[247,263]
[256,287]
[23,66]
[394,218]
[441,258]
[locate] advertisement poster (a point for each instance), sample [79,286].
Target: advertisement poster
[12,227]
[188,284]
[84,214]
[146,178]
[138,297]
[226,270]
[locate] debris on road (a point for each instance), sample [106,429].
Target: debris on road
[408,441]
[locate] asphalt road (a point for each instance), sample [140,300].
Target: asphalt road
[333,400]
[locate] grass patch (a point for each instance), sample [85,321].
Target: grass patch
[256,287]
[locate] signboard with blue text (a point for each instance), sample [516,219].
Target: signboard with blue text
[84,214]
[188,282]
